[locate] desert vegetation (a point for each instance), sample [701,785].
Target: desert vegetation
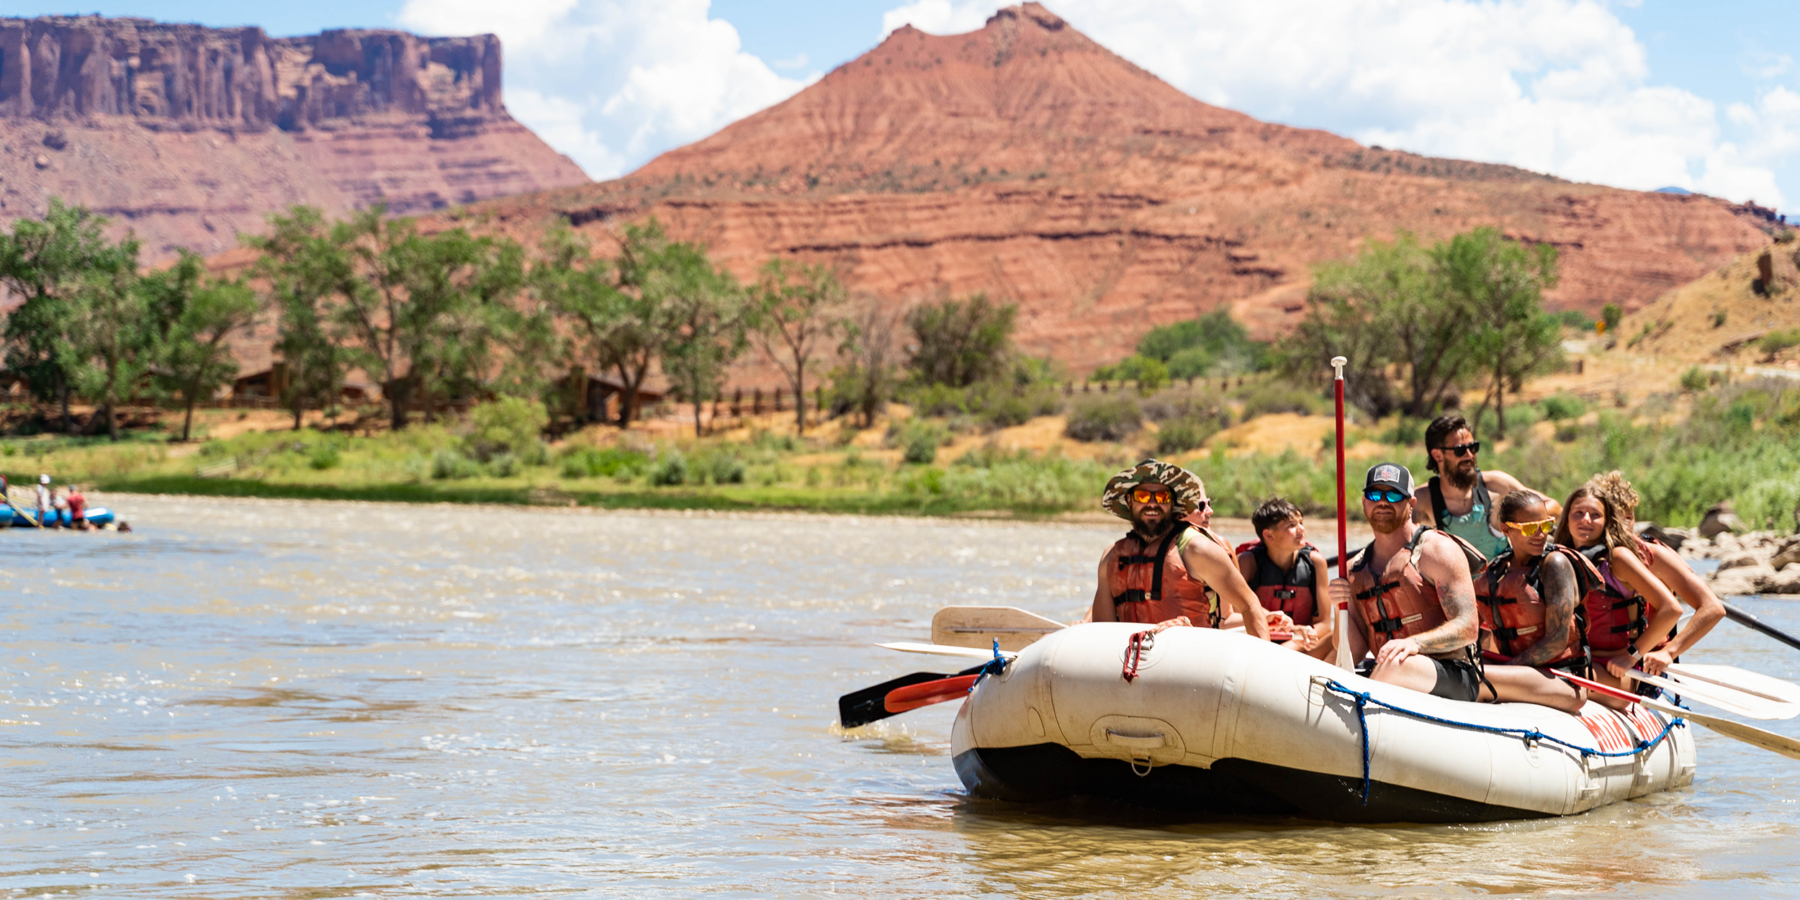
[929,407]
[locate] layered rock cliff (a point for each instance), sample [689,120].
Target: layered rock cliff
[189,135]
[1028,161]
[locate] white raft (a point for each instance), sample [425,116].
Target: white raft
[1223,724]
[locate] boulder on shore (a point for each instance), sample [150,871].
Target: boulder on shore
[1719,520]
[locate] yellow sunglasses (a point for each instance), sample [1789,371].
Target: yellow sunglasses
[1541,526]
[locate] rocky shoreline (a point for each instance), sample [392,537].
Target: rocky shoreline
[1756,562]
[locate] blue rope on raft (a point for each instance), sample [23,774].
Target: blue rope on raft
[1363,699]
[991,667]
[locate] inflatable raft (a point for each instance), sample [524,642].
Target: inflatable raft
[97,517]
[1218,723]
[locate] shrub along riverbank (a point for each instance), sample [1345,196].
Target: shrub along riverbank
[1739,443]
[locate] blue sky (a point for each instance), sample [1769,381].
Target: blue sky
[1700,95]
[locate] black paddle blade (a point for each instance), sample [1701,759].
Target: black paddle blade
[869,704]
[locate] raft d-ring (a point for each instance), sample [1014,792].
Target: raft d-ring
[1148,765]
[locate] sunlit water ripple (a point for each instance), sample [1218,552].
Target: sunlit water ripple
[283,699]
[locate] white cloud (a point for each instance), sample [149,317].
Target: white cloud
[1560,86]
[613,82]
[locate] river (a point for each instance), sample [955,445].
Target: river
[282,699]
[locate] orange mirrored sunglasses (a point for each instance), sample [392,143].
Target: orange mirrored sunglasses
[1541,526]
[1143,495]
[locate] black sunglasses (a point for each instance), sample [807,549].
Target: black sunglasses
[1377,495]
[1469,449]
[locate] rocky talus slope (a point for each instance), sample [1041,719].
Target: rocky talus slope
[1028,161]
[189,135]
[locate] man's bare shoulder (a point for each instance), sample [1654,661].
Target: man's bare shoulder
[1441,557]
[1500,483]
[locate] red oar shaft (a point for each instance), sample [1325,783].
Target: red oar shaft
[1597,687]
[1337,381]
[914,696]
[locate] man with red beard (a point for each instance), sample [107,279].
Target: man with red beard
[1411,598]
[1166,570]
[1460,497]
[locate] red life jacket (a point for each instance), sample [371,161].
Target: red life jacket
[1151,585]
[1401,603]
[1288,590]
[1615,614]
[1510,605]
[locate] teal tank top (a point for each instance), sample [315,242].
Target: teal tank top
[1472,526]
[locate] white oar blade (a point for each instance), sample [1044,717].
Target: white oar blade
[1750,706]
[980,626]
[1739,679]
[1749,734]
[941,650]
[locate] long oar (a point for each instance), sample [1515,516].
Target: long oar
[1750,706]
[21,511]
[908,692]
[1340,617]
[941,650]
[980,626]
[1739,680]
[1749,734]
[1749,621]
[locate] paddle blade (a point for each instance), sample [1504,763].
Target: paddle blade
[914,696]
[1749,734]
[940,650]
[1739,679]
[870,703]
[980,626]
[1750,706]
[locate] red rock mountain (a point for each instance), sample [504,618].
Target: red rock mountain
[1028,161]
[189,135]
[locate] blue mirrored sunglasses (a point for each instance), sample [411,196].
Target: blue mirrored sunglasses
[1376,495]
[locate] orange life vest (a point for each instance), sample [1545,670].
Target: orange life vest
[1152,584]
[1511,608]
[1401,603]
[1615,614]
[1288,590]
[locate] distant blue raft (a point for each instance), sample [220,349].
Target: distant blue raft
[97,517]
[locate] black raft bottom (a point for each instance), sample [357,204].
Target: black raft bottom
[1232,787]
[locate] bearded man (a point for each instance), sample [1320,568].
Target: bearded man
[1459,499]
[1167,570]
[1411,597]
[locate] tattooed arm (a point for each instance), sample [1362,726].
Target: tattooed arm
[1443,566]
[1558,582]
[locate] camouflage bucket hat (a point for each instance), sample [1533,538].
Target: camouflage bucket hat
[1187,488]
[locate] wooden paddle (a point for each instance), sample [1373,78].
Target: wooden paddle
[1739,679]
[908,692]
[941,650]
[980,626]
[21,510]
[1756,737]
[1749,621]
[1750,706]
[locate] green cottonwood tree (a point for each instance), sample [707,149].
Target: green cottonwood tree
[43,262]
[303,266]
[961,342]
[1501,284]
[799,306]
[710,319]
[195,316]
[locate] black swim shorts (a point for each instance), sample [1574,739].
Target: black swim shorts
[1457,679]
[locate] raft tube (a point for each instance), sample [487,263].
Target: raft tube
[97,517]
[1222,724]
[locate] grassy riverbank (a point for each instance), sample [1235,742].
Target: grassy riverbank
[1685,452]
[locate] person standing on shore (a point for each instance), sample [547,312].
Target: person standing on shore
[1459,497]
[43,500]
[1411,598]
[1166,571]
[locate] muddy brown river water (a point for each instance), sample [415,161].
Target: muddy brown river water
[283,699]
